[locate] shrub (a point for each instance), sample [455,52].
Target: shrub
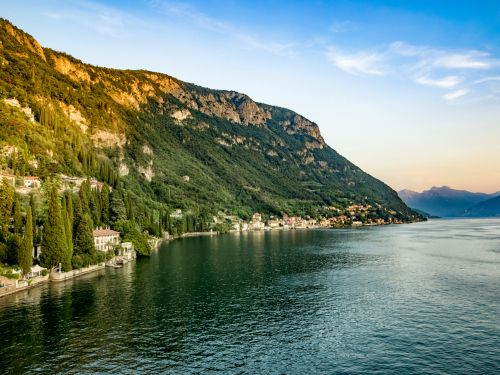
[101,256]
[76,261]
[140,242]
[45,272]
[109,254]
[14,276]
[3,252]
[85,260]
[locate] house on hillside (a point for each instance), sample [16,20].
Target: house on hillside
[104,238]
[32,181]
[10,177]
[94,185]
[9,150]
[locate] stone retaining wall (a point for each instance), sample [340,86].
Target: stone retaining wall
[61,276]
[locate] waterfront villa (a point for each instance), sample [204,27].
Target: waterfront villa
[105,238]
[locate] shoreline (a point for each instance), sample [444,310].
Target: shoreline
[55,277]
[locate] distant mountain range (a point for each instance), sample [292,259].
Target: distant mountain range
[487,208]
[446,202]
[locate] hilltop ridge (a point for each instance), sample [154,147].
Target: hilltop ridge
[174,142]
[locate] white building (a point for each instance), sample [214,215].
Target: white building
[31,181]
[10,177]
[103,238]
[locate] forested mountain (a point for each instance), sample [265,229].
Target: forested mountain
[487,208]
[443,201]
[169,141]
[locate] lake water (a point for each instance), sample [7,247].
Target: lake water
[411,299]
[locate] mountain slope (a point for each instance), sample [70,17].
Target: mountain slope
[443,201]
[487,208]
[174,142]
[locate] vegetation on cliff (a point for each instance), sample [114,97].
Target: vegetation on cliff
[161,142]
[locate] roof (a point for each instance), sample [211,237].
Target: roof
[105,232]
[7,175]
[31,178]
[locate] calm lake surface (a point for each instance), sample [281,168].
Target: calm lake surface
[411,299]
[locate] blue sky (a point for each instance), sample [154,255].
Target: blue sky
[410,93]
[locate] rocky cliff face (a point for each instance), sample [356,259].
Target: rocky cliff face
[230,105]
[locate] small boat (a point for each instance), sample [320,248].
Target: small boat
[113,266]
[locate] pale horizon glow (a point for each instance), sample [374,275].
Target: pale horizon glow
[409,93]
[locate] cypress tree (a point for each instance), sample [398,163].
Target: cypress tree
[14,161]
[83,198]
[14,244]
[78,214]
[69,242]
[6,200]
[169,222]
[26,253]
[160,224]
[70,208]
[105,204]
[94,211]
[18,219]
[54,238]
[33,215]
[84,239]
[116,208]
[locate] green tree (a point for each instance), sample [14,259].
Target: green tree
[70,208]
[14,161]
[160,223]
[123,226]
[14,243]
[6,200]
[116,208]
[94,211]
[105,204]
[78,214]
[140,242]
[84,239]
[33,214]
[26,253]
[3,253]
[18,219]
[54,238]
[82,194]
[66,263]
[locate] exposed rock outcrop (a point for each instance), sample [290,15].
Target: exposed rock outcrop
[26,40]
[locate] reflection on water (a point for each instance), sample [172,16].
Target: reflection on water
[409,298]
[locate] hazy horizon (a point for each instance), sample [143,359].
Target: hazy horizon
[409,94]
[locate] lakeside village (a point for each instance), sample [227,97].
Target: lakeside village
[65,226]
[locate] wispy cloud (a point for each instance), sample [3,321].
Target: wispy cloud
[100,18]
[447,82]
[189,12]
[342,27]
[357,63]
[455,94]
[424,65]
[487,79]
